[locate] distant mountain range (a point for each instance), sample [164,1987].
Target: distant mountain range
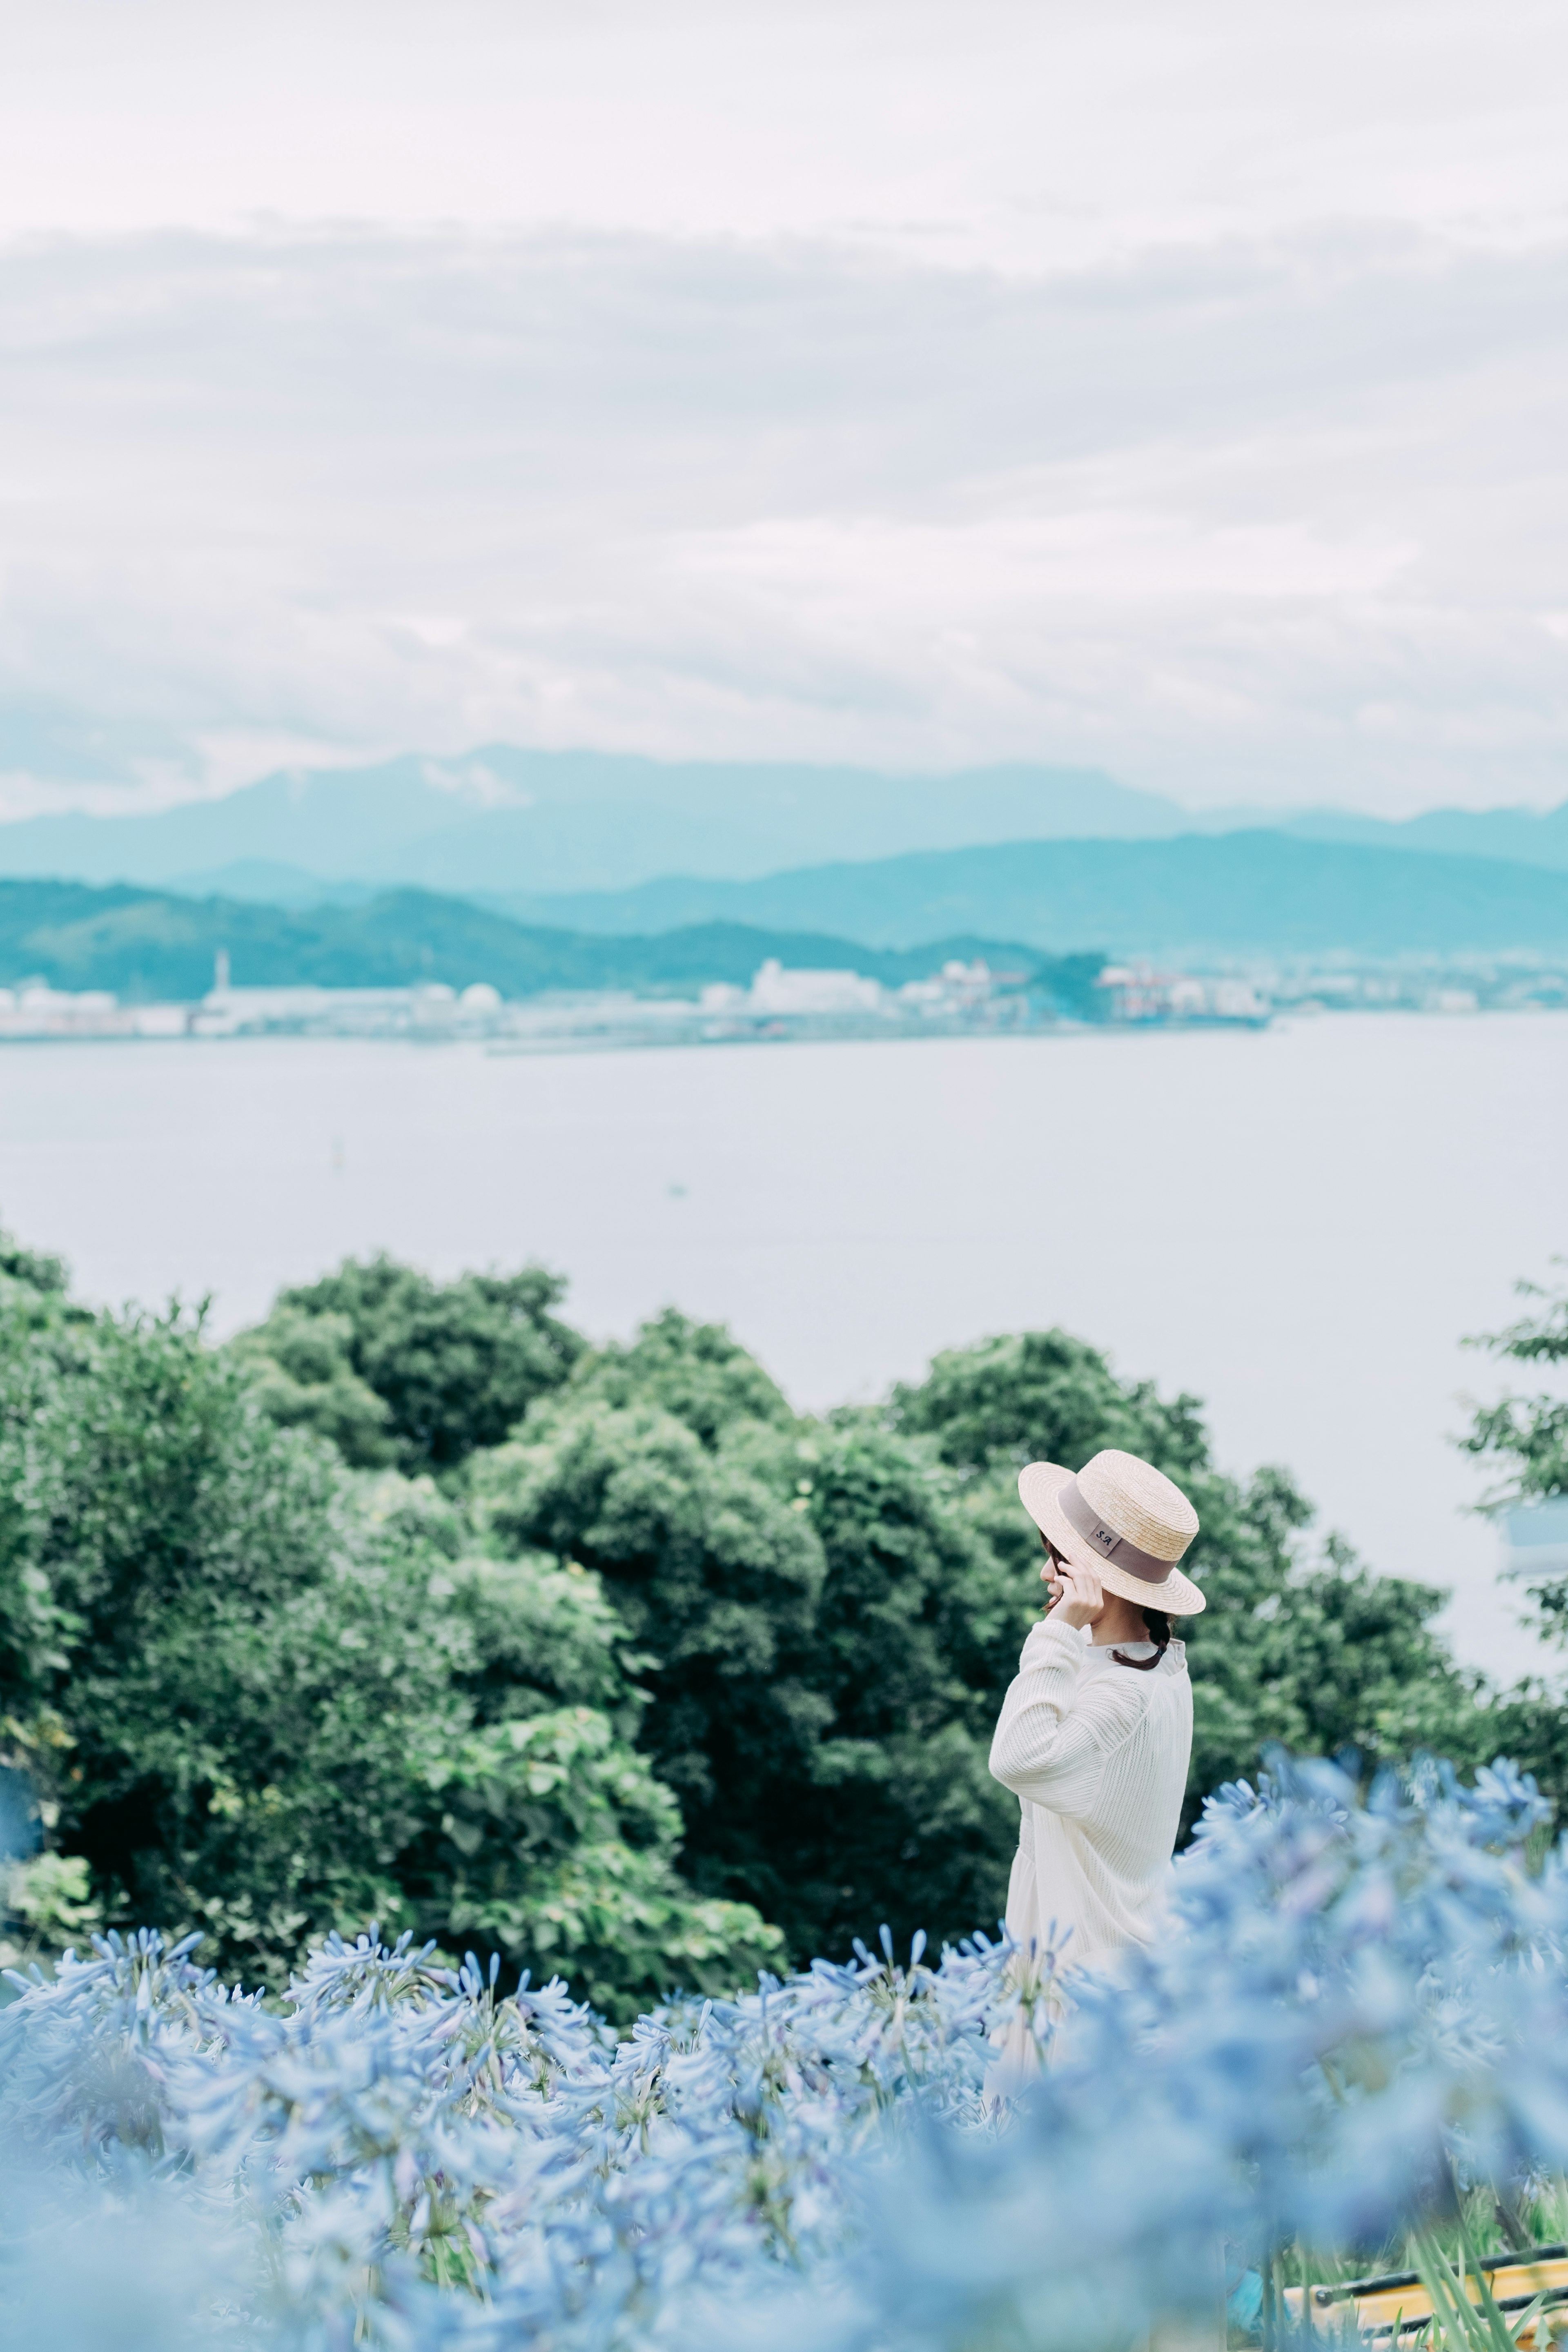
[1514,836]
[586,842]
[501,819]
[509,821]
[1259,893]
[147,946]
[1021,905]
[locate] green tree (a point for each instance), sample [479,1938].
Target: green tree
[302,1376]
[256,1694]
[896,1816]
[1524,1440]
[550,1841]
[394,1367]
[34,1270]
[1031,1396]
[827,1632]
[696,1372]
[713,1570]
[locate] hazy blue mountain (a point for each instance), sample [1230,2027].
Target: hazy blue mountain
[270,882]
[501,819]
[528,825]
[148,945]
[1260,892]
[1517,836]
[1018,904]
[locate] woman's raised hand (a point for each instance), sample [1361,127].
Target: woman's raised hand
[1079,1597]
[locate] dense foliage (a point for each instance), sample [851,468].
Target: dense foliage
[1355,2039]
[394,1367]
[256,1694]
[411,1606]
[1524,1440]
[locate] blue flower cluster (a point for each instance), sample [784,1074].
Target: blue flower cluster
[1362,2007]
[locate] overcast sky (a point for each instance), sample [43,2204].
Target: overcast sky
[1180,388]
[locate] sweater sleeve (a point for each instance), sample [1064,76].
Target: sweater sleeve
[1053,1741]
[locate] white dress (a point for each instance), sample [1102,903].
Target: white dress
[1097,1755]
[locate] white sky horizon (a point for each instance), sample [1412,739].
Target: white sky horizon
[1175,391]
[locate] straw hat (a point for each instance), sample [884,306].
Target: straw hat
[1122,1518]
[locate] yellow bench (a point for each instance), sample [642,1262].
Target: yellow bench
[1395,2306]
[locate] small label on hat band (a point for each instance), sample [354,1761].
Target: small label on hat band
[1120,1551]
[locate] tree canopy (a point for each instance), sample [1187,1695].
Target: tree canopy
[394,1367]
[257,1693]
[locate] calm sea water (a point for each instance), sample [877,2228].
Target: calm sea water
[1300,1226]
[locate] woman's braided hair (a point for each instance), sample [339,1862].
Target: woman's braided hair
[1159,1625]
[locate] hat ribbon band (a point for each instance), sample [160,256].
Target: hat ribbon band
[1118,1551]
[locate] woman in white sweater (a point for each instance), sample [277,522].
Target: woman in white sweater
[1096,1729]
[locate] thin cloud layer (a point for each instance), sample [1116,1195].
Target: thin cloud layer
[1269,518]
[1024,134]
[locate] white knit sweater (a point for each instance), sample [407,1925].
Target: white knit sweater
[1097,1754]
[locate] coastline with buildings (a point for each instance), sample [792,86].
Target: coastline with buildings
[966,997]
[779,1003]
